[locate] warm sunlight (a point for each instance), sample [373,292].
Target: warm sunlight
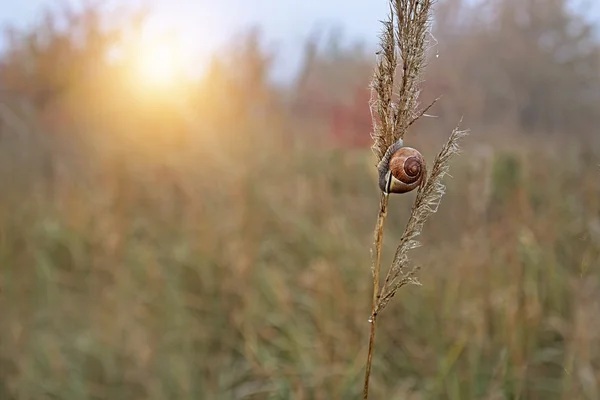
[160,61]
[158,65]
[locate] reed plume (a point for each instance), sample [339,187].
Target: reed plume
[394,108]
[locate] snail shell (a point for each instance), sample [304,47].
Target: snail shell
[402,169]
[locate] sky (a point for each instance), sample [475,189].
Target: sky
[208,24]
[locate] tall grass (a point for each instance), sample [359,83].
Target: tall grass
[395,108]
[231,264]
[211,282]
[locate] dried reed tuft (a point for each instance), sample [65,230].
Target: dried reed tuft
[394,108]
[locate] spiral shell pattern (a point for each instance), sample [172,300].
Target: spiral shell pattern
[401,170]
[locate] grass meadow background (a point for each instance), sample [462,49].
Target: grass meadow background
[211,241]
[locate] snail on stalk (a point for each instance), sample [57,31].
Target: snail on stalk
[401,169]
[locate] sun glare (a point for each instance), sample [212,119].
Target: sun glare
[160,62]
[158,66]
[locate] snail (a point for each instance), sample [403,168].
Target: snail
[401,169]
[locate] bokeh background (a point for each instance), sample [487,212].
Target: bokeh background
[188,197]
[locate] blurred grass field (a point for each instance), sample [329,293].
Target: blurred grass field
[215,244]
[254,282]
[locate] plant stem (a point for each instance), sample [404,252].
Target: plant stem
[376,273]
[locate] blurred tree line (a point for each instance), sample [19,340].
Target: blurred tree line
[524,66]
[530,65]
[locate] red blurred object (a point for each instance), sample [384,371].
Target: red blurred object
[351,124]
[348,125]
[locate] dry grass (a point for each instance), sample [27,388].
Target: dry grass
[182,287]
[153,269]
[394,108]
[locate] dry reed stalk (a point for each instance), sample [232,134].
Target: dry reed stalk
[394,108]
